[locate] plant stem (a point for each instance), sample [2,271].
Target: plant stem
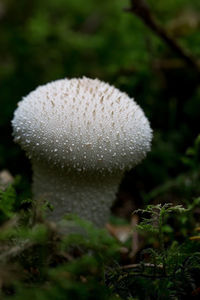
[141,9]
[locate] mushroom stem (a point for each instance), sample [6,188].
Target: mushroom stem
[89,195]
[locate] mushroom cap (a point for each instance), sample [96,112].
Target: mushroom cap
[82,124]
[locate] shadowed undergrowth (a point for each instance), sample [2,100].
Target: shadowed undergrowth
[39,262]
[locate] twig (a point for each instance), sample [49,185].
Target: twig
[148,265]
[141,9]
[138,270]
[141,273]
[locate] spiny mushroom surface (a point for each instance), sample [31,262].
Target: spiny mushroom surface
[81,135]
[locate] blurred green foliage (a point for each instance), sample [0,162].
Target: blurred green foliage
[39,261]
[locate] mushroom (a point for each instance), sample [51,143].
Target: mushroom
[81,135]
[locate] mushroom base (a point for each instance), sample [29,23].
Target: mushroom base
[89,195]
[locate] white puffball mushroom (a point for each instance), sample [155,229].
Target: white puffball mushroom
[81,135]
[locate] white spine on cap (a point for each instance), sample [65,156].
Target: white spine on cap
[80,127]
